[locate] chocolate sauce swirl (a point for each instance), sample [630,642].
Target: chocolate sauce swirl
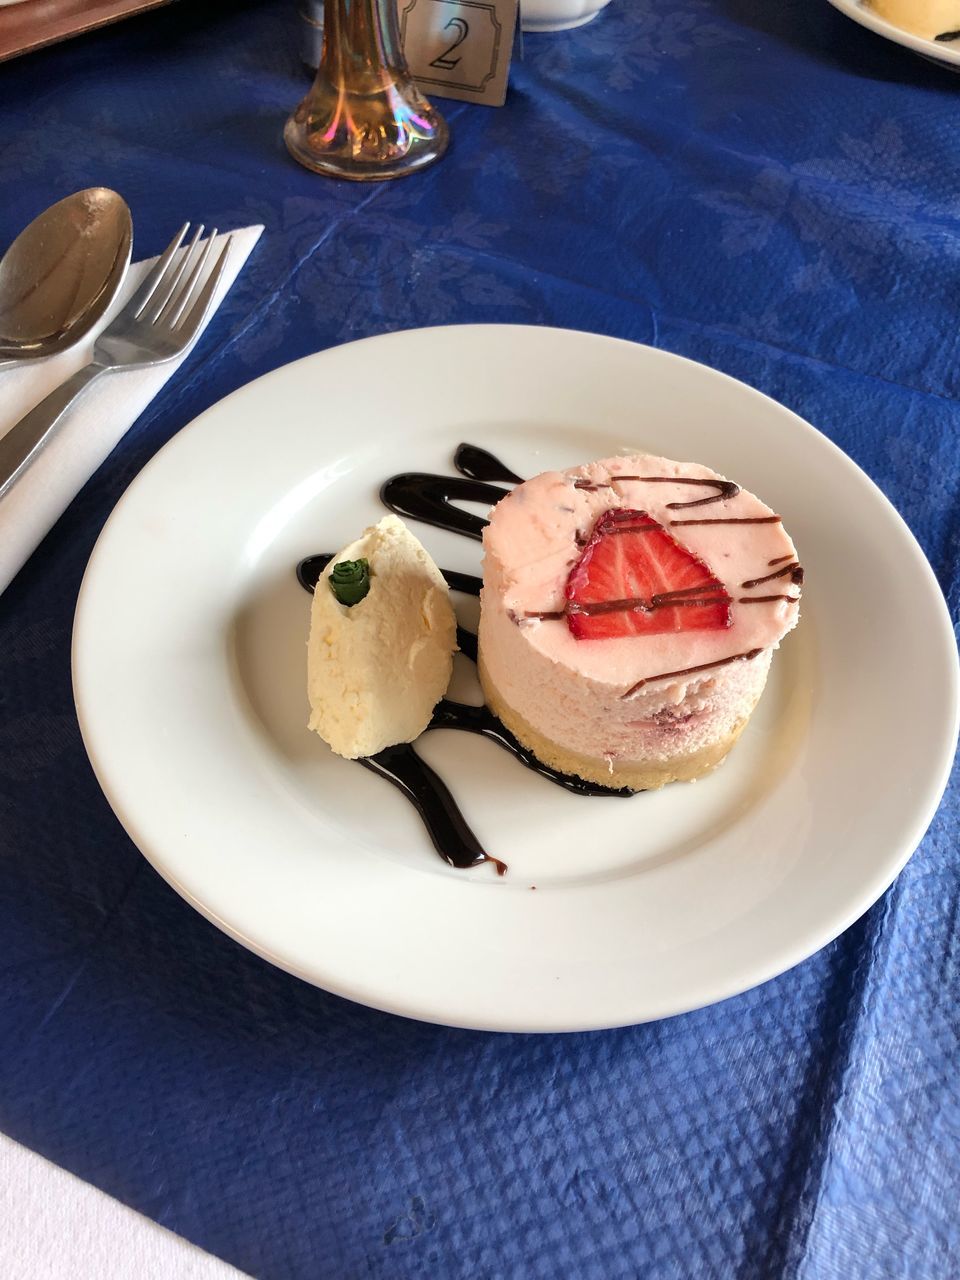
[477,464]
[430,498]
[428,793]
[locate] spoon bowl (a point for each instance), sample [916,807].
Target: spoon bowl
[62,272]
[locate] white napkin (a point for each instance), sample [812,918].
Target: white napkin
[91,429]
[54,1226]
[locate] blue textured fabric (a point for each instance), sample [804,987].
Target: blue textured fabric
[762,186]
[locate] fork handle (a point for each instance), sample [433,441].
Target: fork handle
[27,437]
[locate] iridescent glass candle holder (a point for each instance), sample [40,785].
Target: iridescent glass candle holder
[364,118]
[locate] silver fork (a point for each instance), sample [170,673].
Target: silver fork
[157,324]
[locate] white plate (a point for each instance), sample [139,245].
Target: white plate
[189,678]
[558,15]
[946,54]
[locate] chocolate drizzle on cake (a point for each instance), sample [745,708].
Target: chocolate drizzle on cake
[734,520]
[766,599]
[726,489]
[946,36]
[613,528]
[794,569]
[689,671]
[692,597]
[779,560]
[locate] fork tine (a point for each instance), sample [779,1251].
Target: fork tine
[151,313]
[177,310]
[195,317]
[146,290]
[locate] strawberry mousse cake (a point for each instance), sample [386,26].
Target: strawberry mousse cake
[629,614]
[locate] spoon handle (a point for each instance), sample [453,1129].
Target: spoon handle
[27,437]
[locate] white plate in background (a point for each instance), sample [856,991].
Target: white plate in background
[947,55]
[558,15]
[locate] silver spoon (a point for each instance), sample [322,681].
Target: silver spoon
[62,272]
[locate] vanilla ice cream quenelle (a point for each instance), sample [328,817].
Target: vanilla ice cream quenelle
[629,614]
[382,638]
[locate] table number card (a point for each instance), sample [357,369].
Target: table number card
[460,48]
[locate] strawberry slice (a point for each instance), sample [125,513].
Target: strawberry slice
[635,579]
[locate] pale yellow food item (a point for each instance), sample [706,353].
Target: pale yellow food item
[376,670]
[927,18]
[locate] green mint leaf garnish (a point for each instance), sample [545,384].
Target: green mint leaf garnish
[350,581]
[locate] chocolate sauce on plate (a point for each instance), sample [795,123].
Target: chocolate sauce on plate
[428,793]
[477,464]
[430,498]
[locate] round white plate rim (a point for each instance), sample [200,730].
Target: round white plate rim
[929,49]
[551,1020]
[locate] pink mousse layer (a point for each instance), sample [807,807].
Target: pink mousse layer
[582,694]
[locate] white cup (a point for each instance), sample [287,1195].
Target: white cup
[558,15]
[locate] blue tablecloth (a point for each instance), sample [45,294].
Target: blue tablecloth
[764,187]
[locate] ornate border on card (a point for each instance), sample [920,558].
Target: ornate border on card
[497,33]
